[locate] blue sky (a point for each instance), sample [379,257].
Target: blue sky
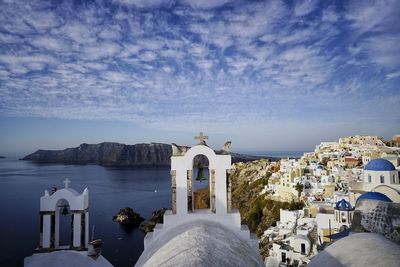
[268,75]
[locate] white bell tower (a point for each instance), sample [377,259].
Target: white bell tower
[50,206]
[220,186]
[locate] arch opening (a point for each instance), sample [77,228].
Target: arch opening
[200,184]
[63,225]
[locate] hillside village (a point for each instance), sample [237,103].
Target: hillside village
[299,206]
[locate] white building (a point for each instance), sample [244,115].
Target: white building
[380,176]
[50,252]
[291,242]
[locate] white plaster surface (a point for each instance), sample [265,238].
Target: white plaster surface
[52,202]
[200,243]
[75,200]
[65,258]
[219,163]
[363,249]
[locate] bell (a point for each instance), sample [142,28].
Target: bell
[64,211]
[200,174]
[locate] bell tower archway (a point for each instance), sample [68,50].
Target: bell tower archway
[65,201]
[182,171]
[220,210]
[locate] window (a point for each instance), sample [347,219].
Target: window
[394,178]
[343,217]
[382,179]
[303,248]
[306,214]
[369,178]
[283,257]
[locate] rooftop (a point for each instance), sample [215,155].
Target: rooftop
[379,165]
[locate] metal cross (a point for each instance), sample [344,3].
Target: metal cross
[66,182]
[201,138]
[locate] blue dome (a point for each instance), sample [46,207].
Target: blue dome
[379,165]
[374,196]
[343,205]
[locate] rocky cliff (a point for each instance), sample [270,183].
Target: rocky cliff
[108,154]
[115,154]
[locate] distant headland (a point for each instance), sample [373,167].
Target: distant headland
[117,155]
[2,157]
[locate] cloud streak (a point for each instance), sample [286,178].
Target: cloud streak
[159,62]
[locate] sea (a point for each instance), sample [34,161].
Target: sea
[22,183]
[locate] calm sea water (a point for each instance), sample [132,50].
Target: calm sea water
[22,183]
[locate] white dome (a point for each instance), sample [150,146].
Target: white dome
[200,243]
[65,258]
[363,249]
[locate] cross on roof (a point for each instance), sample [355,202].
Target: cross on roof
[66,182]
[201,138]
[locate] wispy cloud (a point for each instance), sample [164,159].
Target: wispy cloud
[216,61]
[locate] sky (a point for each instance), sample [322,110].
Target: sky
[267,75]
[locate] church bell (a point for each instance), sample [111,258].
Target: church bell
[200,174]
[64,211]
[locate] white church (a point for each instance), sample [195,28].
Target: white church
[79,251]
[379,175]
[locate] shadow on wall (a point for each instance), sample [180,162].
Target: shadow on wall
[378,217]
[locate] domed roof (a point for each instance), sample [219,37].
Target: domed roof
[379,165]
[65,258]
[199,243]
[343,205]
[359,250]
[374,196]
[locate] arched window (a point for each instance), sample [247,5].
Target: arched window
[199,186]
[369,178]
[382,179]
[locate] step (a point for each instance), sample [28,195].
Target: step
[148,239]
[157,229]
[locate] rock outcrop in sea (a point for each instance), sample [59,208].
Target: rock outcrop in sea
[127,217]
[116,155]
[156,217]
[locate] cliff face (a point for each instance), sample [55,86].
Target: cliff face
[108,154]
[115,154]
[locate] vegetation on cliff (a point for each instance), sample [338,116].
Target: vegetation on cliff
[257,210]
